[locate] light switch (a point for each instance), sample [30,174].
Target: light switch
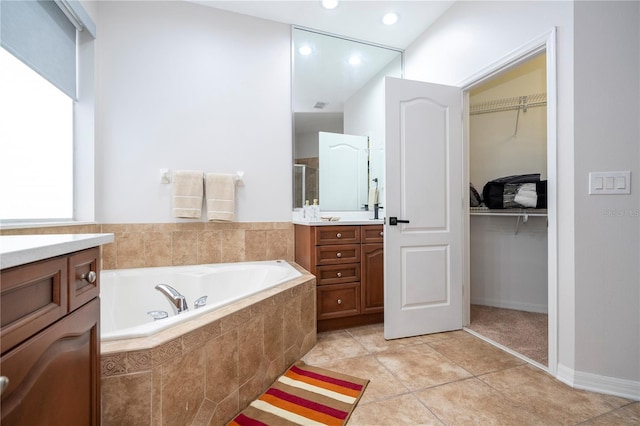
[598,183]
[610,182]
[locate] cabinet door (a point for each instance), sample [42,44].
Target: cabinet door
[372,278]
[54,377]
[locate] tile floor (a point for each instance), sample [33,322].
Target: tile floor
[457,378]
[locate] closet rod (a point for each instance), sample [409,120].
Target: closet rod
[507,104]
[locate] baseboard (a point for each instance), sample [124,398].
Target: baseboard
[601,384]
[506,304]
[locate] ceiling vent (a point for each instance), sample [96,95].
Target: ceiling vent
[320,105]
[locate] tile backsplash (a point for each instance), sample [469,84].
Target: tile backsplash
[138,245]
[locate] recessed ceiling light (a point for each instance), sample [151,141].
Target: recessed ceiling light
[329,4]
[355,60]
[390,18]
[305,50]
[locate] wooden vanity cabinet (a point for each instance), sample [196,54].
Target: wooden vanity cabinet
[372,265]
[347,261]
[50,314]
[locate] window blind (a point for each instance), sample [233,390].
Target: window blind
[39,34]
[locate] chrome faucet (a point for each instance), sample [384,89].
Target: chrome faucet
[174,297]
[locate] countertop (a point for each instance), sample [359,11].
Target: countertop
[340,222]
[345,218]
[18,250]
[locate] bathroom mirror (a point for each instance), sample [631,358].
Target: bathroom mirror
[338,88]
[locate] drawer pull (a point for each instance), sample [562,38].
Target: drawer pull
[4,382]
[90,277]
[338,235]
[339,274]
[381,233]
[339,301]
[338,254]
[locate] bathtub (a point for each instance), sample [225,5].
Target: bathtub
[256,337]
[127,295]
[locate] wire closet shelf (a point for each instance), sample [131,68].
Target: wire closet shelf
[507,104]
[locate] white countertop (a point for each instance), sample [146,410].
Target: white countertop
[340,222]
[344,218]
[18,250]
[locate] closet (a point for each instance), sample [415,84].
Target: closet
[508,246]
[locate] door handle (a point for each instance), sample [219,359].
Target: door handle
[393,221]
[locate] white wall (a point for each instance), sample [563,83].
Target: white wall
[364,115]
[185,86]
[607,137]
[599,340]
[508,268]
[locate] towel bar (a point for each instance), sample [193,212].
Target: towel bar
[165,177]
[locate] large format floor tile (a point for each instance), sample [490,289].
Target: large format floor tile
[456,378]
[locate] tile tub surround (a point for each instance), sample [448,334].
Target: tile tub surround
[141,245]
[206,370]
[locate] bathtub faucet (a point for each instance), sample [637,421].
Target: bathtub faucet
[174,297]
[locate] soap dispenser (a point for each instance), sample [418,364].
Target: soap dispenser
[315,210]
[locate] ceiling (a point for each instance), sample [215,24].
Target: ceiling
[361,20]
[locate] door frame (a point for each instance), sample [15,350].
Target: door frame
[545,43]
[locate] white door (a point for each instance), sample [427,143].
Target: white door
[343,171]
[423,257]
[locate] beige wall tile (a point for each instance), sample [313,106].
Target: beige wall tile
[255,245]
[157,249]
[129,250]
[182,388]
[184,248]
[233,245]
[139,245]
[209,246]
[251,345]
[125,399]
[222,367]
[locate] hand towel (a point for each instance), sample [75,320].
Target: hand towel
[526,195]
[373,198]
[220,196]
[187,193]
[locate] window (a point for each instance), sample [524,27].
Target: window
[40,70]
[36,145]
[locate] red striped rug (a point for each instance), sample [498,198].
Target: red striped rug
[304,395]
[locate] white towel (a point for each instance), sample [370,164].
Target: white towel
[373,198]
[187,194]
[526,195]
[220,196]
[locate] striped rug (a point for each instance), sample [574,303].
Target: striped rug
[304,395]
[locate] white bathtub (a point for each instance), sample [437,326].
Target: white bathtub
[128,294]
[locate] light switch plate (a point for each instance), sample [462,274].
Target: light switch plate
[610,183]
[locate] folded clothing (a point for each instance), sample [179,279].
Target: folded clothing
[187,191]
[220,196]
[526,195]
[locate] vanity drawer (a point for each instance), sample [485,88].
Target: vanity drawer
[336,274]
[329,255]
[337,234]
[338,300]
[84,277]
[372,234]
[31,298]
